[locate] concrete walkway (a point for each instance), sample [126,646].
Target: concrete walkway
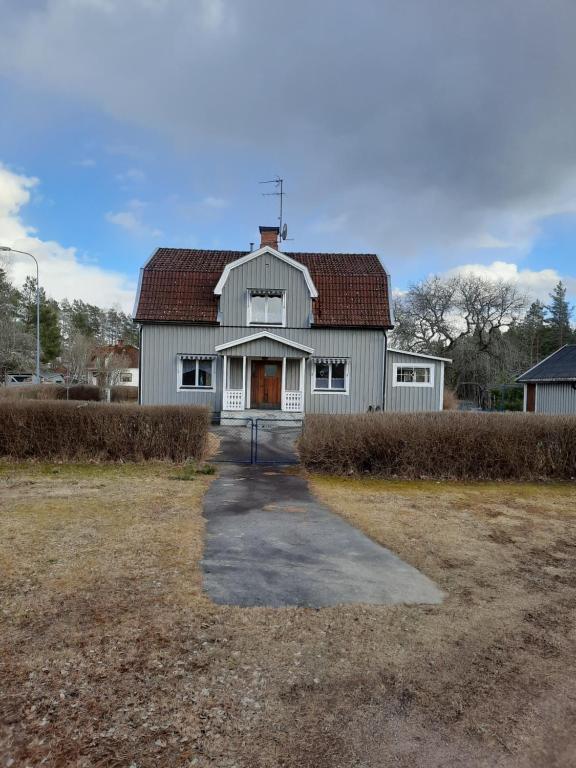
[270,543]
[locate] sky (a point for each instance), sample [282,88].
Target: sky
[440,134]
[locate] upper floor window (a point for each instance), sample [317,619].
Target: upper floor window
[266,308]
[413,375]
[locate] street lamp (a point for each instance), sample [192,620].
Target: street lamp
[25,253]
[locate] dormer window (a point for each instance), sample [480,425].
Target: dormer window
[266,307]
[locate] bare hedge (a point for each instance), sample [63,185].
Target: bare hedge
[52,392]
[452,445]
[68,431]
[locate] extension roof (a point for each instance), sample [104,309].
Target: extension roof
[559,366]
[177,286]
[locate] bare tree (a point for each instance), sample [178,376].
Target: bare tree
[77,357]
[107,368]
[465,317]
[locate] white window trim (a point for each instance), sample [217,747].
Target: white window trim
[256,323]
[187,387]
[396,383]
[344,391]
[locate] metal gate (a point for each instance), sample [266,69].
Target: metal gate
[241,440]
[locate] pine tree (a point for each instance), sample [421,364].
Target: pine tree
[558,320]
[533,331]
[50,335]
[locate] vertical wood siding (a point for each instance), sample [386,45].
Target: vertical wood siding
[412,398]
[265,272]
[557,398]
[161,345]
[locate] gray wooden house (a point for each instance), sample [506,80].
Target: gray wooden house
[269,331]
[550,386]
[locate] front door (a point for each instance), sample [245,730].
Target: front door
[265,384]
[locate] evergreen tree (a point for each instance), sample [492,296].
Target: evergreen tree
[50,335]
[558,321]
[533,332]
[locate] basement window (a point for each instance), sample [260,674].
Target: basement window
[266,308]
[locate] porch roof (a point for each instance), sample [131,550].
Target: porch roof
[265,344]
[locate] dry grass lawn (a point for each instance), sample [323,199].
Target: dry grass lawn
[110,655]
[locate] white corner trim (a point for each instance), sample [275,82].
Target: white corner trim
[396,383]
[264,335]
[260,252]
[419,354]
[441,394]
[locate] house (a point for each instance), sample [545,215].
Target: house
[263,331]
[115,365]
[550,386]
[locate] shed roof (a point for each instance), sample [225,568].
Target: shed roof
[559,366]
[177,286]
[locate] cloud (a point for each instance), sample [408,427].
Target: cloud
[431,124]
[131,220]
[62,273]
[418,127]
[214,202]
[87,162]
[537,284]
[131,176]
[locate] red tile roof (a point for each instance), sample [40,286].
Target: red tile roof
[178,286]
[128,352]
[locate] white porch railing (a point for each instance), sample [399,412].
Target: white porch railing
[292,401]
[233,399]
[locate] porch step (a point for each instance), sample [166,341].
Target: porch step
[232,417]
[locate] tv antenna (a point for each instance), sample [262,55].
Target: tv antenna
[279,184]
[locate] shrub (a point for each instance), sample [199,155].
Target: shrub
[71,431]
[450,401]
[86,392]
[32,392]
[451,445]
[123,394]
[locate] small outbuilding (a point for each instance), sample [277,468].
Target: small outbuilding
[414,382]
[550,386]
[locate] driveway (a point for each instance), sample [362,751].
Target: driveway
[270,543]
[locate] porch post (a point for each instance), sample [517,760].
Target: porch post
[302,380]
[244,382]
[283,390]
[224,373]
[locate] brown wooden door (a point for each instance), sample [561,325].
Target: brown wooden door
[265,384]
[531,397]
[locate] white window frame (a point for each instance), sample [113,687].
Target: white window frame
[396,383]
[329,391]
[257,323]
[188,387]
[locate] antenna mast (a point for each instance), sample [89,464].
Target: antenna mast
[279,183]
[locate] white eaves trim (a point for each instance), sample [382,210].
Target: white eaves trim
[419,354]
[264,335]
[254,255]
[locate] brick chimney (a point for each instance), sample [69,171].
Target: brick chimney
[269,236]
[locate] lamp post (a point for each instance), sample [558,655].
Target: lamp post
[25,253]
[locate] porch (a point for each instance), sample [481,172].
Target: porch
[263,387]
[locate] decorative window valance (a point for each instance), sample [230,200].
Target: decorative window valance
[197,357]
[330,359]
[266,292]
